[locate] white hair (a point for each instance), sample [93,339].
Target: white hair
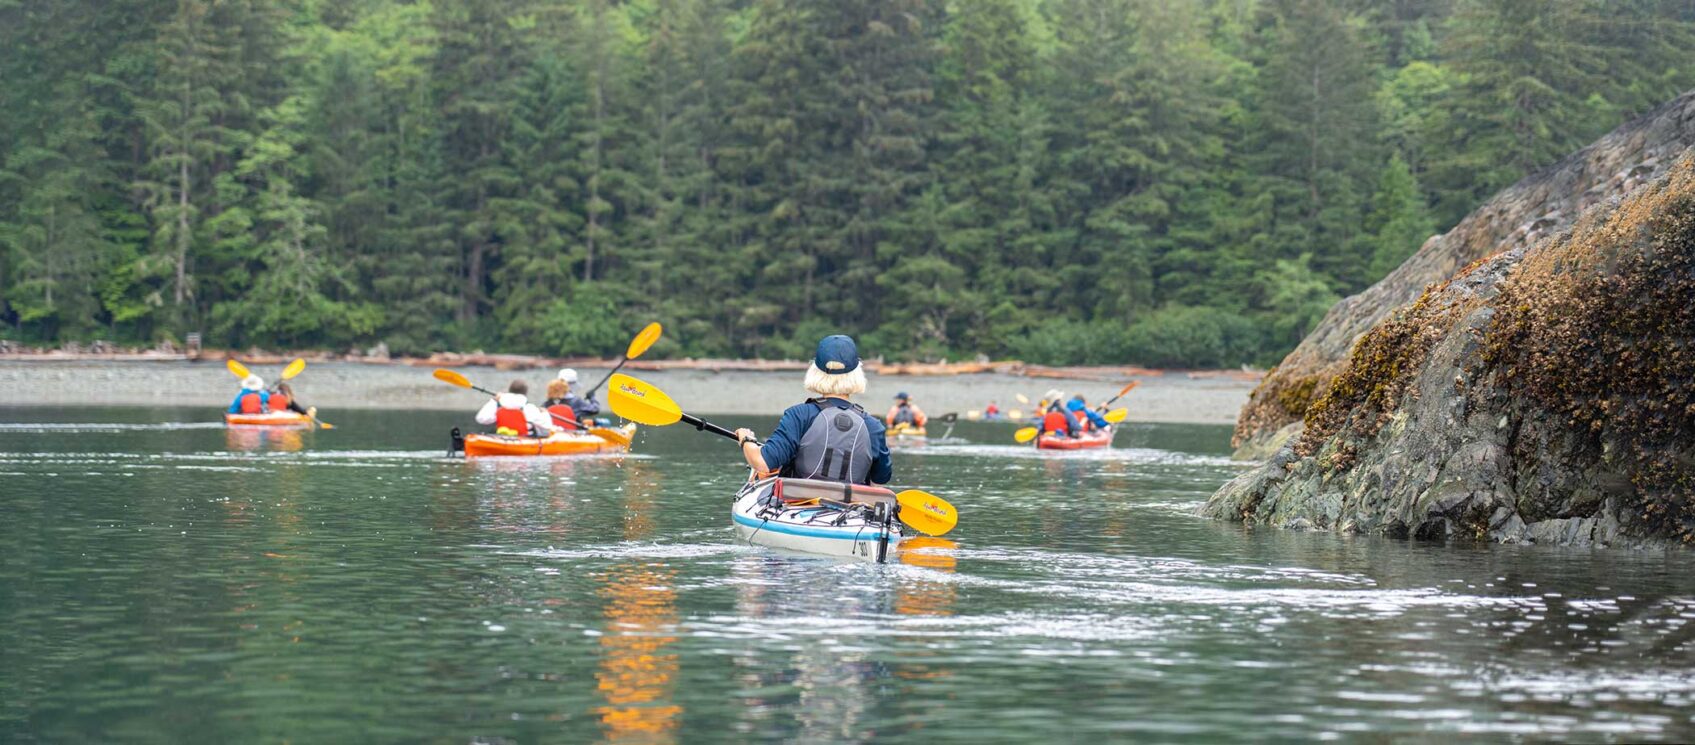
[825,384]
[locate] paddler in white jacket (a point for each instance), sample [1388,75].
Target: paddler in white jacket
[512,413]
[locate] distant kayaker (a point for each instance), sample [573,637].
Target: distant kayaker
[253,398]
[992,413]
[905,412]
[827,437]
[283,400]
[1055,419]
[1085,416]
[511,413]
[558,404]
[585,408]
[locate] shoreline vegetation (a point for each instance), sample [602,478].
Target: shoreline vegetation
[1166,183]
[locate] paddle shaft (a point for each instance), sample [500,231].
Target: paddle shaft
[706,426]
[621,360]
[1114,399]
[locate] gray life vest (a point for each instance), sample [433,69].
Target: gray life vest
[903,415]
[837,447]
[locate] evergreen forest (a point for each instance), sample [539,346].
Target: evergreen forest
[1187,183]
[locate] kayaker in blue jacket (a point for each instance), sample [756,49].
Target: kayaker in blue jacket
[252,398]
[828,437]
[1080,408]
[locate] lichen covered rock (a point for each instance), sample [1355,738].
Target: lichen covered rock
[1541,205]
[1545,394]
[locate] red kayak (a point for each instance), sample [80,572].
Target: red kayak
[1087,440]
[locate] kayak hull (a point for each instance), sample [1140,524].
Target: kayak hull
[906,434]
[1085,441]
[561,443]
[775,513]
[272,419]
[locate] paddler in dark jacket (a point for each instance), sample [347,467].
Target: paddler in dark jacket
[828,437]
[584,408]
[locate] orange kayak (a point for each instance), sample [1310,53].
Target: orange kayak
[270,419]
[1087,440]
[559,443]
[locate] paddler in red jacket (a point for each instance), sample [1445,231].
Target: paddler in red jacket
[1057,421]
[253,398]
[512,413]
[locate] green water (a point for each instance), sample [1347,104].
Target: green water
[175,582]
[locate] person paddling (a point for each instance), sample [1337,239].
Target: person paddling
[558,404]
[584,408]
[905,412]
[827,437]
[253,398]
[283,400]
[1086,417]
[512,413]
[1055,419]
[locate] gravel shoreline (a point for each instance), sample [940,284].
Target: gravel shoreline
[1164,397]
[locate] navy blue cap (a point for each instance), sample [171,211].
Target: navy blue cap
[901,396]
[837,355]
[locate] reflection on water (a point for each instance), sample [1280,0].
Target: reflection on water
[285,439]
[636,671]
[165,583]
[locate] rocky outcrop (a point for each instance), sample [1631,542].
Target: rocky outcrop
[1542,204]
[1544,394]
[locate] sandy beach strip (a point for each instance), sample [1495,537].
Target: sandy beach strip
[1200,398]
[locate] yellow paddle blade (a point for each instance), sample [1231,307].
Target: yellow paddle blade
[926,513]
[643,340]
[1117,415]
[642,403]
[1023,399]
[614,436]
[294,368]
[451,377]
[237,369]
[1025,435]
[1014,414]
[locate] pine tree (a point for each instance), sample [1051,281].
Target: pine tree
[1399,221]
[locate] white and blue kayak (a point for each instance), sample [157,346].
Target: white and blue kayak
[819,517]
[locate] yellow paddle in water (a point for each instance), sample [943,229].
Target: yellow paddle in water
[649,334]
[641,402]
[1026,434]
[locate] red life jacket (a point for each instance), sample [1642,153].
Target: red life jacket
[1083,423]
[1056,421]
[279,402]
[512,419]
[564,416]
[250,403]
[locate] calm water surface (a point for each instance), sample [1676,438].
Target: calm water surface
[177,582]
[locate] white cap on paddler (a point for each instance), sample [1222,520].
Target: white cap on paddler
[1054,394]
[569,375]
[252,383]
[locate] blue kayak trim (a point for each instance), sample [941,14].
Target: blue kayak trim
[849,534]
